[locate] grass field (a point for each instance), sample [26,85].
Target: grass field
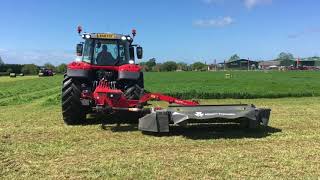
[34,142]
[188,85]
[209,85]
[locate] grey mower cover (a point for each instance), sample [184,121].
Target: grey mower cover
[158,121]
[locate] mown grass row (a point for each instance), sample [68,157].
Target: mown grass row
[35,144]
[24,85]
[29,97]
[236,95]
[52,100]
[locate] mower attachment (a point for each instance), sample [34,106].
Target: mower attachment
[159,120]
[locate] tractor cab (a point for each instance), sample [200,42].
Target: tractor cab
[107,49]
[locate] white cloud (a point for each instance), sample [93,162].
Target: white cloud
[218,22]
[252,3]
[38,57]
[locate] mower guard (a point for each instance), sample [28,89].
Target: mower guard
[159,120]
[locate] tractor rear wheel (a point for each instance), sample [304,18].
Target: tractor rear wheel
[72,110]
[136,91]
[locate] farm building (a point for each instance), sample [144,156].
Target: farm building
[269,64]
[309,62]
[212,67]
[312,62]
[242,64]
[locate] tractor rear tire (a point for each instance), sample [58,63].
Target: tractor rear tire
[72,110]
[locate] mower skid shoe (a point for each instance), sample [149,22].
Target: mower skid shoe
[263,116]
[158,121]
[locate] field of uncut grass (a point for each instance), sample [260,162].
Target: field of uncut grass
[35,144]
[209,85]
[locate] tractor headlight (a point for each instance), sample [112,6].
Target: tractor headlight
[83,36]
[123,38]
[129,38]
[131,62]
[88,36]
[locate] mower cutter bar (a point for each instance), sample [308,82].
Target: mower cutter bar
[159,120]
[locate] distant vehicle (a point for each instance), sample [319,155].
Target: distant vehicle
[303,68]
[13,75]
[45,72]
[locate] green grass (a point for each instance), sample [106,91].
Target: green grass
[34,142]
[209,85]
[14,87]
[187,85]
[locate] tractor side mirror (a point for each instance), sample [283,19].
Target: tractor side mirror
[79,49]
[139,52]
[131,52]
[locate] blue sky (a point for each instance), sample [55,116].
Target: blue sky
[40,31]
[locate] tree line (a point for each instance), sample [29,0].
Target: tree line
[285,59]
[29,69]
[152,65]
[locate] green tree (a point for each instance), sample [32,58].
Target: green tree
[285,56]
[9,70]
[142,63]
[49,66]
[151,63]
[183,66]
[157,67]
[234,57]
[1,61]
[143,66]
[286,59]
[198,66]
[30,69]
[62,68]
[169,66]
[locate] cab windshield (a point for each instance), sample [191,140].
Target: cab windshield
[106,52]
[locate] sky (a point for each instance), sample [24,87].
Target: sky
[40,31]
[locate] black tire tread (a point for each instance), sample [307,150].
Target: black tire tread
[72,110]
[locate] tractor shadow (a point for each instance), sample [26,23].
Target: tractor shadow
[96,119]
[116,123]
[198,132]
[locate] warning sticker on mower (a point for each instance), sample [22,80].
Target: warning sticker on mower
[201,114]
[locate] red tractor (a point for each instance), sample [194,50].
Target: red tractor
[105,79]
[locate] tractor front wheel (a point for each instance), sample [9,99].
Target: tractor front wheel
[72,110]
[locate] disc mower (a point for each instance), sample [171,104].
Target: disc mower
[105,79]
